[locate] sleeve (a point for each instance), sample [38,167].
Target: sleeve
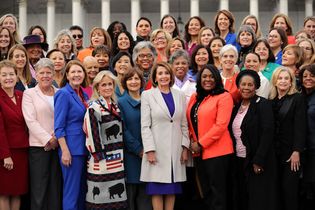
[62,106]
[184,123]
[146,122]
[4,144]
[264,88]
[132,144]
[299,123]
[266,132]
[223,115]
[29,113]
[93,138]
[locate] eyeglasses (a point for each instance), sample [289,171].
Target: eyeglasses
[79,36]
[149,56]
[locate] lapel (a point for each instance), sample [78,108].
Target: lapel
[251,111]
[134,103]
[286,105]
[11,105]
[42,96]
[75,96]
[157,95]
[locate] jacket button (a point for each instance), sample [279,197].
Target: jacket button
[171,121]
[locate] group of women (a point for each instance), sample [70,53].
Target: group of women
[218,120]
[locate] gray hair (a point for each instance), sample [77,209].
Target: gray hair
[177,54]
[43,63]
[65,32]
[246,28]
[142,45]
[228,47]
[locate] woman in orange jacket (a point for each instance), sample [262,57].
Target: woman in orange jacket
[208,115]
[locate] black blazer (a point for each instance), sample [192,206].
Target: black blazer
[257,131]
[290,134]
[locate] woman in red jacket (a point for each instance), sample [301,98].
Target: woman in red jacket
[13,140]
[208,115]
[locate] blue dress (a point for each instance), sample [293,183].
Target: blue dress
[154,188]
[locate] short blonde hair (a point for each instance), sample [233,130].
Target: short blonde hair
[155,33]
[274,91]
[98,79]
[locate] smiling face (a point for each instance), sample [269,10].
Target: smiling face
[307,49]
[133,83]
[123,65]
[274,39]
[160,41]
[202,57]
[58,60]
[44,77]
[310,27]
[180,67]
[246,39]
[145,59]
[176,45]
[34,51]
[194,27]
[143,28]
[223,22]
[78,37]
[252,62]
[283,82]
[207,80]
[9,23]
[206,36]
[215,47]
[247,87]
[91,68]
[280,23]
[19,58]
[123,42]
[228,60]
[163,77]
[308,81]
[102,59]
[97,38]
[106,88]
[4,38]
[168,25]
[262,50]
[65,45]
[8,78]
[75,76]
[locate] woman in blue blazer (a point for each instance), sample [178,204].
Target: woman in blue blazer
[70,107]
[129,105]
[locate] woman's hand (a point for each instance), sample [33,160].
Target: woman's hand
[257,169]
[295,161]
[66,158]
[195,148]
[184,156]
[8,163]
[151,157]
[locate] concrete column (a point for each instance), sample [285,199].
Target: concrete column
[224,4]
[51,5]
[194,8]
[165,8]
[308,8]
[135,15]
[283,7]
[77,13]
[254,7]
[23,18]
[105,13]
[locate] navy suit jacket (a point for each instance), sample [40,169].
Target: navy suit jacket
[69,118]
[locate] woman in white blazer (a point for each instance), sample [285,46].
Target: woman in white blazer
[38,112]
[180,66]
[165,138]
